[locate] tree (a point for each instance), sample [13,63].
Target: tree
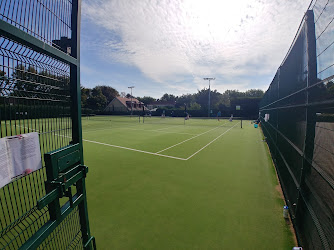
[187,99]
[25,79]
[330,87]
[98,97]
[97,101]
[223,102]
[3,79]
[85,94]
[202,98]
[146,99]
[195,106]
[168,98]
[109,92]
[47,78]
[254,93]
[234,94]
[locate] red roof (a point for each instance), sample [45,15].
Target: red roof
[125,99]
[127,102]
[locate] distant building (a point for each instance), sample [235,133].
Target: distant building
[123,104]
[161,104]
[63,44]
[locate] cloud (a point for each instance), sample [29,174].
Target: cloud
[172,40]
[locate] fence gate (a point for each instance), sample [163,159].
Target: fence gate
[40,95]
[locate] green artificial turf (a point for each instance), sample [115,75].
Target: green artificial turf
[223,197]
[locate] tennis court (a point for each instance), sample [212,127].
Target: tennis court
[167,183]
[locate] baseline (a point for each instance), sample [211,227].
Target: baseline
[136,150]
[115,146]
[157,153]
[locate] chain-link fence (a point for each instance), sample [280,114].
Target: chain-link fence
[297,118]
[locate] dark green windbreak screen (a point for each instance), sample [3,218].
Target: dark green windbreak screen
[39,68]
[300,130]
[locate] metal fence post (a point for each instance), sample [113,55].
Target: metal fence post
[76,115]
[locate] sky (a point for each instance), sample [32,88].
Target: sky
[169,46]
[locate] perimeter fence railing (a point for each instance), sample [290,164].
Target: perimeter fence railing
[297,118]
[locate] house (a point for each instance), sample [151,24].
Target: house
[123,104]
[64,44]
[161,104]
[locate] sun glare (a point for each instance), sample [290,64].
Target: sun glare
[214,19]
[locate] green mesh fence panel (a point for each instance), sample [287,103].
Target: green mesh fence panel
[38,93]
[300,128]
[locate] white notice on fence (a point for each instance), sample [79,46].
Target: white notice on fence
[20,155]
[5,175]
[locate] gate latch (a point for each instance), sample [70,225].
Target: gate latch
[63,170]
[61,187]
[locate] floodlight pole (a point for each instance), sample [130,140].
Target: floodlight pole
[131,96]
[209,79]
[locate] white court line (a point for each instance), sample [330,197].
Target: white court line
[157,154]
[174,126]
[91,130]
[148,130]
[158,131]
[141,151]
[190,138]
[211,142]
[131,149]
[111,127]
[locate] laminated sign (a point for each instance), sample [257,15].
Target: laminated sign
[19,156]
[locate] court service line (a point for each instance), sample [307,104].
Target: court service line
[147,130]
[111,127]
[171,126]
[190,139]
[157,154]
[136,150]
[159,131]
[211,142]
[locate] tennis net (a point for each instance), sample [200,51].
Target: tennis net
[113,120]
[193,121]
